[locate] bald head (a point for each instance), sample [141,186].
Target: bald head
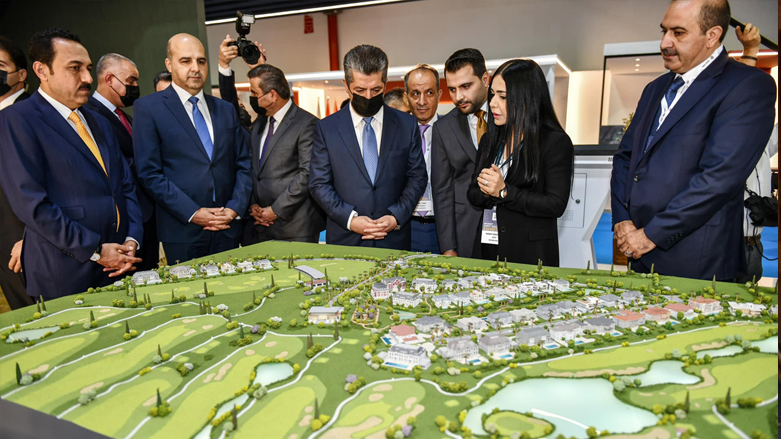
[187,62]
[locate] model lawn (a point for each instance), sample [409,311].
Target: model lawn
[234,355]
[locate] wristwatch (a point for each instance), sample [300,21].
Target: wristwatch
[503,193]
[96,256]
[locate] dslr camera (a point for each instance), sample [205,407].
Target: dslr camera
[247,49]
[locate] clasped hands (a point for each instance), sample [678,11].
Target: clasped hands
[264,216]
[490,181]
[373,229]
[214,219]
[631,240]
[118,258]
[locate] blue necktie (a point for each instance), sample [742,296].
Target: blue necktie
[201,128]
[370,154]
[427,194]
[669,97]
[270,134]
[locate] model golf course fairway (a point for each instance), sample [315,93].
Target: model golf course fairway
[287,340]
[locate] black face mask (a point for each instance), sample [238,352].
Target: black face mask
[253,102]
[132,92]
[367,107]
[5,87]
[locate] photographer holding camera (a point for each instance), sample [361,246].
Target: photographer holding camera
[230,49]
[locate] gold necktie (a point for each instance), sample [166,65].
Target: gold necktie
[87,139]
[482,125]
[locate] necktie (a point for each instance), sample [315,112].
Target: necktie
[370,153]
[669,97]
[427,194]
[482,125]
[81,130]
[201,128]
[123,118]
[271,122]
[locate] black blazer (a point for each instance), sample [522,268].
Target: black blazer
[527,216]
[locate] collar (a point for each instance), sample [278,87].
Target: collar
[64,111]
[692,74]
[473,117]
[431,122]
[99,97]
[280,114]
[357,118]
[11,99]
[185,95]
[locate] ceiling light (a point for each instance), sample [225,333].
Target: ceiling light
[637,59]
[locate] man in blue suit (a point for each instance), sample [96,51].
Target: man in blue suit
[367,170]
[696,135]
[66,178]
[193,159]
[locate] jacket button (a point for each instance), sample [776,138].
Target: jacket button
[626,205]
[637,178]
[113,225]
[503,229]
[211,189]
[211,166]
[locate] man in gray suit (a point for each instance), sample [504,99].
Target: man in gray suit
[454,150]
[281,147]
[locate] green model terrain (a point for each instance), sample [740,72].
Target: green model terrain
[233,355]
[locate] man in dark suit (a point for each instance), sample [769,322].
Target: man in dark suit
[192,157]
[697,133]
[367,170]
[454,152]
[65,177]
[13,77]
[117,78]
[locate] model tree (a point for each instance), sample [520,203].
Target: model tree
[159,399]
[317,410]
[159,351]
[205,289]
[91,317]
[18,375]
[336,330]
[272,281]
[728,399]
[686,403]
[127,327]
[43,304]
[235,417]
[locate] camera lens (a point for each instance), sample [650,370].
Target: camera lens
[249,52]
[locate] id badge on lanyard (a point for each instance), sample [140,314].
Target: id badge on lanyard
[490,234]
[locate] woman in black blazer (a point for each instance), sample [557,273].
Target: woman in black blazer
[524,169]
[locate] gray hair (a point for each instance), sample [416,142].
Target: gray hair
[418,67]
[110,60]
[365,59]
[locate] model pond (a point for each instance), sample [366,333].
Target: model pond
[266,374]
[31,334]
[666,372]
[572,405]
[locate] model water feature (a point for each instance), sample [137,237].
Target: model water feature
[666,372]
[572,405]
[265,374]
[768,346]
[31,334]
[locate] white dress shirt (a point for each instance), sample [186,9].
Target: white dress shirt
[427,136]
[278,116]
[688,78]
[472,119]
[106,103]
[184,96]
[11,99]
[65,112]
[359,124]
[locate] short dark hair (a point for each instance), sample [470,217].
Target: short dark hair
[365,59]
[461,58]
[165,75]
[15,52]
[425,67]
[715,13]
[395,95]
[42,44]
[344,103]
[271,78]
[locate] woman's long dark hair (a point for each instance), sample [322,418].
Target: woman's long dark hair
[529,112]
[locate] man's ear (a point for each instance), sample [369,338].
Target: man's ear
[41,71]
[713,35]
[347,89]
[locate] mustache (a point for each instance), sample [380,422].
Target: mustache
[463,101]
[85,86]
[669,52]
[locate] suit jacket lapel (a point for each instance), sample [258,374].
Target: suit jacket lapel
[347,132]
[390,128]
[177,109]
[280,130]
[103,111]
[51,117]
[100,140]
[257,132]
[693,94]
[464,137]
[214,114]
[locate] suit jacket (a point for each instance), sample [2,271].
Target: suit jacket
[339,182]
[174,168]
[126,146]
[453,158]
[282,181]
[686,191]
[62,195]
[527,216]
[227,85]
